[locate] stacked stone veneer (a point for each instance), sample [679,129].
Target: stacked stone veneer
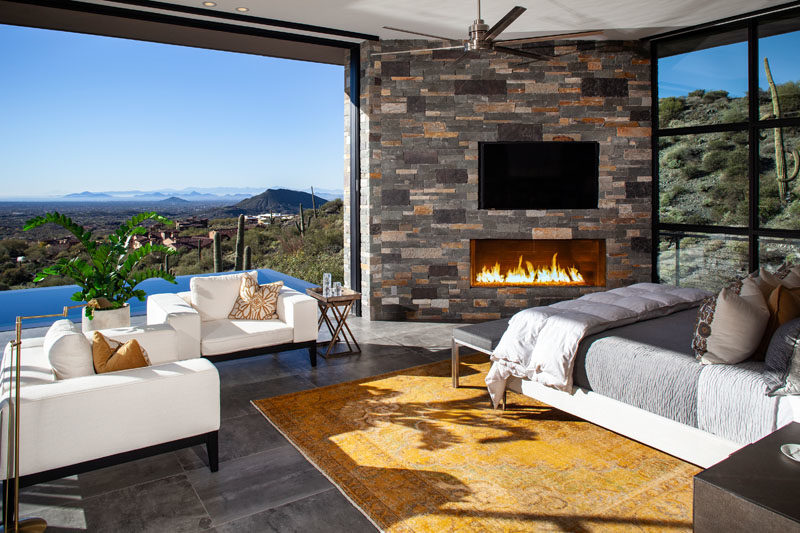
[422,118]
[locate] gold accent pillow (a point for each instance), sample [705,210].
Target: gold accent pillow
[110,355]
[256,302]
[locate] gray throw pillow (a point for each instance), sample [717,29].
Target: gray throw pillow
[782,361]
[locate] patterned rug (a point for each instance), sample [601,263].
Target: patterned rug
[417,455]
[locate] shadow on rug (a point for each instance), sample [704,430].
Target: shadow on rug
[416,454]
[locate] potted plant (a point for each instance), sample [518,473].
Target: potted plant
[109,277]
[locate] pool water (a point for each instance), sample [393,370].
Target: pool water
[49,300]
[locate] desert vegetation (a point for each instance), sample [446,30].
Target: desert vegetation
[277,244]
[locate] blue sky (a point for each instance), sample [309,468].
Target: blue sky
[82,112]
[725,67]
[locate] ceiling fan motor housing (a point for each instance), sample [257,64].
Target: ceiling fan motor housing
[477,40]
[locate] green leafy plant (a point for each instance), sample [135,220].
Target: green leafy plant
[111,272]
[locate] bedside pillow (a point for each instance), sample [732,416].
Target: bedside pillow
[730,326]
[782,362]
[214,296]
[68,350]
[256,302]
[110,355]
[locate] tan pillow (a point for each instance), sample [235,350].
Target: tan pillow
[110,355]
[733,330]
[256,302]
[766,281]
[784,305]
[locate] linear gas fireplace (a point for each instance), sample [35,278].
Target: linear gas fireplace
[537,262]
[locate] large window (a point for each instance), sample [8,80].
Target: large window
[726,141]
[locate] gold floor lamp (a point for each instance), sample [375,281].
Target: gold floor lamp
[12,521]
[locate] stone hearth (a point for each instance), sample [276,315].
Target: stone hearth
[423,116]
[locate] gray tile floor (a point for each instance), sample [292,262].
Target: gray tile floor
[264,484]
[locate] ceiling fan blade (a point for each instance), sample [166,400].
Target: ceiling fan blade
[552,37]
[459,47]
[504,22]
[419,33]
[521,53]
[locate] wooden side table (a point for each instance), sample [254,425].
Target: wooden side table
[339,307]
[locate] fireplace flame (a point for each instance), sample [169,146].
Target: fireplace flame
[555,274]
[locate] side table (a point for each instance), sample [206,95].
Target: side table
[757,488]
[339,307]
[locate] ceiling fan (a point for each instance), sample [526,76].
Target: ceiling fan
[482,37]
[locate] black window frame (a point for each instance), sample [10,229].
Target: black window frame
[752,126]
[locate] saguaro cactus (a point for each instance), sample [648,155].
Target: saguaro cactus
[313,204]
[248,258]
[199,250]
[217,253]
[166,262]
[781,175]
[301,224]
[239,244]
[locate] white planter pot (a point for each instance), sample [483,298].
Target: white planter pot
[110,318]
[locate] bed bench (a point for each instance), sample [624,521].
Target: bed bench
[481,337]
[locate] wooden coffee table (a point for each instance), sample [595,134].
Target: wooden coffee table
[339,307]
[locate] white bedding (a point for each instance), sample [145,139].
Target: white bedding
[540,343]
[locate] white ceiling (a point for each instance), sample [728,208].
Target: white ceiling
[622,19]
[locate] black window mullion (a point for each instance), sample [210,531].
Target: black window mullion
[752,88]
[655,233]
[705,128]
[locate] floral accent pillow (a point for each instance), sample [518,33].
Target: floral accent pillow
[731,326]
[705,317]
[256,302]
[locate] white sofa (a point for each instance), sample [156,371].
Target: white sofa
[70,425]
[200,318]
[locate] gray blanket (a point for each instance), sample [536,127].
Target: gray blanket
[650,365]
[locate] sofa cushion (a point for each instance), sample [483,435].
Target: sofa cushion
[227,336]
[214,296]
[256,302]
[68,350]
[782,362]
[110,355]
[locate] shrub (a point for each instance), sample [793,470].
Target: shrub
[693,171]
[714,161]
[669,109]
[713,96]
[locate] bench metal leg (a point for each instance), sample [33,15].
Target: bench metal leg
[454,362]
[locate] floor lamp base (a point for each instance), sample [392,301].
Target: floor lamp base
[28,525]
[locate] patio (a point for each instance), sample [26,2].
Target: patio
[263,483]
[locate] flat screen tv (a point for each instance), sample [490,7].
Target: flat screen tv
[538,175]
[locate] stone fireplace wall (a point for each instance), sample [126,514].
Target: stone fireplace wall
[422,118]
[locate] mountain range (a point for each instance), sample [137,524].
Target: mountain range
[217,195]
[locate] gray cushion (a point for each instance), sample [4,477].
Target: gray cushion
[782,361]
[483,336]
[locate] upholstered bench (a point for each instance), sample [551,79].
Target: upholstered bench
[481,337]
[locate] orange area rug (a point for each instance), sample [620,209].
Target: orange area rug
[417,455]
